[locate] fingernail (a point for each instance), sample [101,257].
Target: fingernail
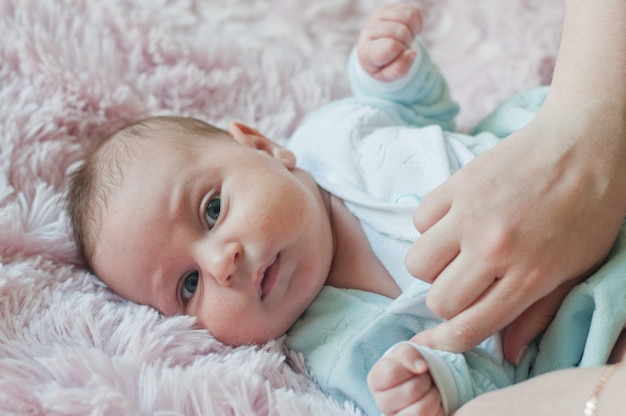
[521,354]
[420,366]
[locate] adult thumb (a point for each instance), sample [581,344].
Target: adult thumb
[532,322]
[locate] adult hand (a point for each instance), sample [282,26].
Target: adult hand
[532,215]
[539,210]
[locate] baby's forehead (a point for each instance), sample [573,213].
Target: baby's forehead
[156,143]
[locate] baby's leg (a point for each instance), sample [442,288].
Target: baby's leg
[401,384]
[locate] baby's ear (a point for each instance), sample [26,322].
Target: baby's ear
[247,136]
[242,133]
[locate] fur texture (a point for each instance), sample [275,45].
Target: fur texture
[72,70]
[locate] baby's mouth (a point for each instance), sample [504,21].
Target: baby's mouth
[268,277]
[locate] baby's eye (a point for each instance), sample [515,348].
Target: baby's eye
[190,284]
[212,211]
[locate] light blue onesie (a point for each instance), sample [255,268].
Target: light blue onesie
[382,151]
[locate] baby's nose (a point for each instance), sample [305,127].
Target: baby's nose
[221,262]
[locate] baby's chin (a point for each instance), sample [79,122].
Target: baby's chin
[238,341]
[240,337]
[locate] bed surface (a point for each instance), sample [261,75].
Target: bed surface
[73,70]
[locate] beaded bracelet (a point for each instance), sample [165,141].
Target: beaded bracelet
[592,403]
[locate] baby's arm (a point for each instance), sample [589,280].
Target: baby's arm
[391,65]
[384,47]
[401,384]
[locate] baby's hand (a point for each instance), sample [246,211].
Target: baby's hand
[401,384]
[384,47]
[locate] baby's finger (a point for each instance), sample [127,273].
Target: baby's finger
[383,51]
[407,356]
[405,395]
[387,374]
[398,365]
[392,30]
[429,404]
[404,13]
[397,68]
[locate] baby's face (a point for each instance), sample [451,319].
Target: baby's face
[224,232]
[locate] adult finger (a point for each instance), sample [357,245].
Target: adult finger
[459,285]
[433,208]
[534,320]
[429,255]
[498,306]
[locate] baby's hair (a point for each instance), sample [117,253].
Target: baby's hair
[91,183]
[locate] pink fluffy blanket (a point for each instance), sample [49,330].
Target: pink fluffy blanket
[71,70]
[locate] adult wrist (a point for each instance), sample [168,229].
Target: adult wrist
[590,138]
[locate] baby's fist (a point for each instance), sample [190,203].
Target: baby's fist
[400,383]
[384,46]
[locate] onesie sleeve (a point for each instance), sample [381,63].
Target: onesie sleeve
[344,332]
[423,95]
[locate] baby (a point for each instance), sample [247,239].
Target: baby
[225,226]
